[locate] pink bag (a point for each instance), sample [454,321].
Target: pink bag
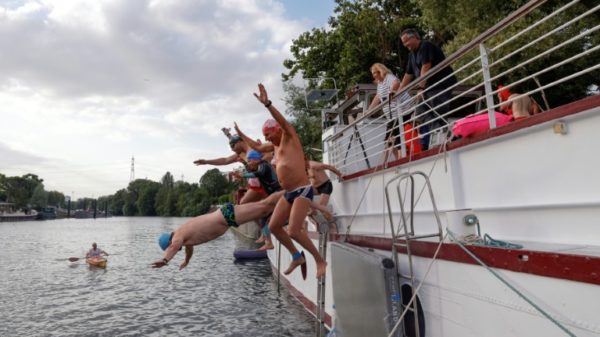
[474,124]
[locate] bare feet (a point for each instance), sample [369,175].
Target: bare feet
[321,268]
[266,246]
[294,264]
[261,239]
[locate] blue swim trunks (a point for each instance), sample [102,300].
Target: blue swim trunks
[303,191]
[228,212]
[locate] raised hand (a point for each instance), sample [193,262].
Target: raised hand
[263,97]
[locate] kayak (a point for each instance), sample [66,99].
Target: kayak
[96,261]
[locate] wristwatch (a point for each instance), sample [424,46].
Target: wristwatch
[165,261]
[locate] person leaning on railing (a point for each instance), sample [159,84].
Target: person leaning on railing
[387,84]
[423,56]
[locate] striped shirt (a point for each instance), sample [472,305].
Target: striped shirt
[383,91]
[404,104]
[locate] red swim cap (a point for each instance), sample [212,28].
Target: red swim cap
[270,124]
[503,93]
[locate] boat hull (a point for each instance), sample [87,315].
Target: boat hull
[552,215]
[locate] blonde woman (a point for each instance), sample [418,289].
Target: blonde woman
[388,83]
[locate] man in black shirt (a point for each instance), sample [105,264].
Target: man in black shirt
[423,56]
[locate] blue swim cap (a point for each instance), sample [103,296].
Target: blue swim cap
[254,155]
[164,240]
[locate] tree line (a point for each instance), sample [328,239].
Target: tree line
[142,197]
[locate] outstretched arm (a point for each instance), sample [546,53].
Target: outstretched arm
[169,254]
[104,253]
[334,170]
[266,147]
[218,161]
[375,102]
[406,79]
[189,251]
[264,99]
[322,166]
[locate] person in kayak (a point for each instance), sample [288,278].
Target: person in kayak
[95,251]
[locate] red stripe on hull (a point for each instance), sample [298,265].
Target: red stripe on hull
[579,268]
[308,304]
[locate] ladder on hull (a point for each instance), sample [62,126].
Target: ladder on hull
[320,323]
[407,228]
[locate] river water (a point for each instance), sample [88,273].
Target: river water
[43,294]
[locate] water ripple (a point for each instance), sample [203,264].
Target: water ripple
[42,294]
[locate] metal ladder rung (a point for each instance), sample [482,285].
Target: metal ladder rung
[407,226]
[320,310]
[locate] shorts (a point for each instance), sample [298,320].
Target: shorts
[303,191]
[325,188]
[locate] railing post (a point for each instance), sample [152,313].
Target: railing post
[489,97]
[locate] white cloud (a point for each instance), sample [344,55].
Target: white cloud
[88,83]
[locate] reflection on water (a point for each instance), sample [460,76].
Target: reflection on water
[43,294]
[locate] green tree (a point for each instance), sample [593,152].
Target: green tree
[215,183]
[367,31]
[117,202]
[146,199]
[19,190]
[305,119]
[362,33]
[39,197]
[56,198]
[458,22]
[165,199]
[3,194]
[196,202]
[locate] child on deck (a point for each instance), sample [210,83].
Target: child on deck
[298,195]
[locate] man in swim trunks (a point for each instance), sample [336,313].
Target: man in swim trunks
[298,190]
[322,185]
[210,226]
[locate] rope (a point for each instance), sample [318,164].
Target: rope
[511,287]
[356,210]
[491,242]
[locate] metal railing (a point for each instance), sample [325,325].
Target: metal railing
[481,65]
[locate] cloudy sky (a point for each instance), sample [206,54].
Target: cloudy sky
[87,84]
